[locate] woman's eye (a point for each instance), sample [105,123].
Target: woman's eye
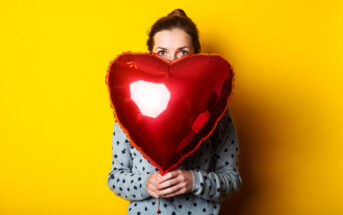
[182,53]
[160,52]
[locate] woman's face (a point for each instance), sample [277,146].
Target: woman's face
[172,44]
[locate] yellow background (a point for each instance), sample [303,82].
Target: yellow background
[56,121]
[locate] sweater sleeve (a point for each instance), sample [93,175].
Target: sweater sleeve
[121,180]
[225,180]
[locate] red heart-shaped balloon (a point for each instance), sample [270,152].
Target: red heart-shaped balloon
[167,108]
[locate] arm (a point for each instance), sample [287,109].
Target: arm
[221,184]
[124,183]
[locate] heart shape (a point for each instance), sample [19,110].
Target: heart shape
[167,108]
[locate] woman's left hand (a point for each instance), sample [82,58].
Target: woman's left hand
[175,182]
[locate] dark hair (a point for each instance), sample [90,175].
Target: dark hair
[175,19]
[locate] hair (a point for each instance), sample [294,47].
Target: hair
[175,19]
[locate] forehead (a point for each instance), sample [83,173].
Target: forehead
[172,39]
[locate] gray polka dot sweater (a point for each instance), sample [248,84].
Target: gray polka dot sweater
[214,166]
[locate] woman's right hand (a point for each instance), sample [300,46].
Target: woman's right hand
[152,183]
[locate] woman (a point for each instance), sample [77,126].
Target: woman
[207,177]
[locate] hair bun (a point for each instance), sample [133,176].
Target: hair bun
[179,12]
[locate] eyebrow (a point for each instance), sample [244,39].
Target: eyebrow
[178,48]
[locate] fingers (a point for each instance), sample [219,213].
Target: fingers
[174,186]
[172,183]
[168,183]
[172,189]
[180,191]
[166,177]
[170,175]
[152,183]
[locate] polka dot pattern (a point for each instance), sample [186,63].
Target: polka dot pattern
[214,166]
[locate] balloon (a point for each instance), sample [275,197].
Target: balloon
[167,108]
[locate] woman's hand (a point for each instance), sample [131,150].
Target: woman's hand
[173,183]
[152,184]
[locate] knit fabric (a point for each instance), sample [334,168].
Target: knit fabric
[214,166]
